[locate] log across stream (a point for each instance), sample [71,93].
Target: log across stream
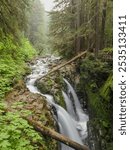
[72,122]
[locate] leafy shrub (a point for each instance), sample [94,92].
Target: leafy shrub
[96,81]
[16,133]
[26,50]
[95,69]
[12,60]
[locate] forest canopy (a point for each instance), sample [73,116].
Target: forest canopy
[78,25]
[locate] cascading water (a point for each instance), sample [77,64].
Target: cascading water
[71,123]
[69,105]
[82,117]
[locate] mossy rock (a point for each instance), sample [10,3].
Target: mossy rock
[53,85]
[96,84]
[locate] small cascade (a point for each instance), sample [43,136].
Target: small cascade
[67,125]
[82,117]
[71,123]
[39,69]
[69,105]
[76,100]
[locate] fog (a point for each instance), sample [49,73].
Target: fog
[48,4]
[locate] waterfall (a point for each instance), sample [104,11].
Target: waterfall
[82,117]
[69,105]
[76,100]
[69,125]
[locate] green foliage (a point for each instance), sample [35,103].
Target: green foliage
[107,50]
[26,50]
[15,50]
[94,70]
[106,89]
[52,85]
[13,16]
[62,35]
[80,25]
[4,87]
[16,133]
[98,77]
[96,80]
[12,61]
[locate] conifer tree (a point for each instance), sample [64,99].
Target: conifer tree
[78,25]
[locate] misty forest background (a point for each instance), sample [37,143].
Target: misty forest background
[28,31]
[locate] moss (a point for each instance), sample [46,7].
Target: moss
[106,89]
[96,83]
[94,70]
[53,85]
[45,85]
[101,116]
[96,104]
[59,99]
[107,50]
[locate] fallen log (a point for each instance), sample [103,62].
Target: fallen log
[55,135]
[38,126]
[51,133]
[64,64]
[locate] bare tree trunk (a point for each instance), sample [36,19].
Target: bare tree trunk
[103,24]
[97,42]
[82,21]
[89,24]
[72,26]
[78,23]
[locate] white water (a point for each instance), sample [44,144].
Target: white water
[67,120]
[69,105]
[82,117]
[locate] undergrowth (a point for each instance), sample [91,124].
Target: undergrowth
[12,61]
[16,133]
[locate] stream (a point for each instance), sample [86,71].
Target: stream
[72,121]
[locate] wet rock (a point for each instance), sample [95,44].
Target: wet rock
[52,85]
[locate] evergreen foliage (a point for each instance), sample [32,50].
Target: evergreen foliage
[13,15]
[78,25]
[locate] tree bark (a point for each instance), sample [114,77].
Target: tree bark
[55,135]
[97,42]
[78,24]
[103,24]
